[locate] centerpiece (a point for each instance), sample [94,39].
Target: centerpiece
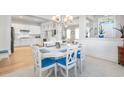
[101,32]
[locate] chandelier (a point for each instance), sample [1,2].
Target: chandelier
[63,20]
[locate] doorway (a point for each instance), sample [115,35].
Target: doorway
[12,39]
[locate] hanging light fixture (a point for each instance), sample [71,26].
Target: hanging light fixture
[56,18]
[64,20]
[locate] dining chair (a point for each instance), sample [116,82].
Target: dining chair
[80,56]
[68,61]
[42,64]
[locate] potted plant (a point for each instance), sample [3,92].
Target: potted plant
[121,29]
[86,34]
[101,32]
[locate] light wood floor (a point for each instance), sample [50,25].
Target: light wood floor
[22,57]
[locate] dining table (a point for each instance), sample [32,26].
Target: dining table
[53,51]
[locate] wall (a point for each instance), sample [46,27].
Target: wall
[82,28]
[119,20]
[104,48]
[5,23]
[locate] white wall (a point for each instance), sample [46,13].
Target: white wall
[104,48]
[82,27]
[119,20]
[5,24]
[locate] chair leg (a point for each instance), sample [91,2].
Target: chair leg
[78,65]
[81,66]
[40,72]
[55,70]
[34,68]
[75,70]
[66,72]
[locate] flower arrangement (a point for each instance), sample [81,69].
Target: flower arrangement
[101,32]
[121,29]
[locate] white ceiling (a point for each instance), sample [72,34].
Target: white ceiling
[33,19]
[46,17]
[49,17]
[27,19]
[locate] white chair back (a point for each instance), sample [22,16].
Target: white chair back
[71,56]
[36,55]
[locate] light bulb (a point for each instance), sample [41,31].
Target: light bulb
[65,19]
[70,18]
[54,18]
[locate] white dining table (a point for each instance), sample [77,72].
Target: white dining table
[53,54]
[53,51]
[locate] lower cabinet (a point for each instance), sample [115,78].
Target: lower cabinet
[121,55]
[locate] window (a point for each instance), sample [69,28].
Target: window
[68,33]
[77,33]
[107,24]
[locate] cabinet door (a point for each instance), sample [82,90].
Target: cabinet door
[121,55]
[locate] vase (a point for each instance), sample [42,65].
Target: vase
[122,36]
[57,45]
[101,36]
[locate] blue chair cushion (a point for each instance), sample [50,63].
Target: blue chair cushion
[47,62]
[79,54]
[61,61]
[3,51]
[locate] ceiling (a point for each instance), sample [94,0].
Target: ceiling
[49,17]
[32,19]
[28,19]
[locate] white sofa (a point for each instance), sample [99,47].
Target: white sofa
[4,53]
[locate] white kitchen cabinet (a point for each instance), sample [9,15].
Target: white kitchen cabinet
[34,30]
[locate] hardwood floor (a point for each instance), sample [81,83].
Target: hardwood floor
[22,57]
